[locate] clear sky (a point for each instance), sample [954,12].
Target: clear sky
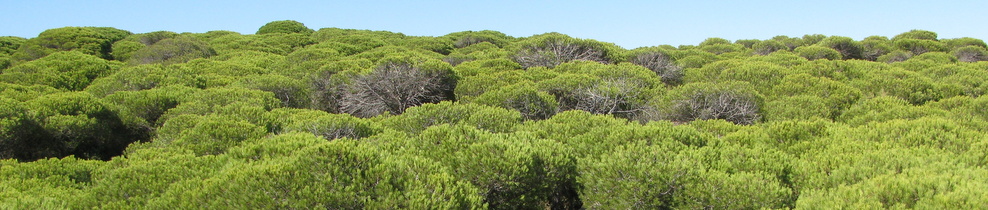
[629,24]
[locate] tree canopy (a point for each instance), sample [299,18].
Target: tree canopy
[291,117]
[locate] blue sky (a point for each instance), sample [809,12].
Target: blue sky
[629,24]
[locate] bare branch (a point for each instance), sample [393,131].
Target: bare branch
[665,67]
[392,87]
[724,105]
[617,96]
[555,52]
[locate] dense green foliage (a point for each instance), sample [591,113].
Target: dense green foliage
[284,26]
[290,117]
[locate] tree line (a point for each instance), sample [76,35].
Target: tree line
[291,117]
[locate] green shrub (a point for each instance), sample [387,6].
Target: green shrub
[848,48]
[63,124]
[417,119]
[818,52]
[916,34]
[284,26]
[920,46]
[70,70]
[95,41]
[531,103]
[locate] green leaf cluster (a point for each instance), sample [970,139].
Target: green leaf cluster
[291,117]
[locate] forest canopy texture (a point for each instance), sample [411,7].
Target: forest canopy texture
[291,117]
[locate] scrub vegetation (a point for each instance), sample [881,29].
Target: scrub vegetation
[291,117]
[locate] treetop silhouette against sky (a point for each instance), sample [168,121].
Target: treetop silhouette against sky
[629,24]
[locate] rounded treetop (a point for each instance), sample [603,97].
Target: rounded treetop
[284,26]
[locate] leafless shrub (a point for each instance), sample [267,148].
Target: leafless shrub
[326,93]
[470,40]
[971,54]
[620,97]
[895,56]
[553,52]
[333,132]
[456,60]
[392,87]
[532,108]
[661,64]
[725,105]
[171,51]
